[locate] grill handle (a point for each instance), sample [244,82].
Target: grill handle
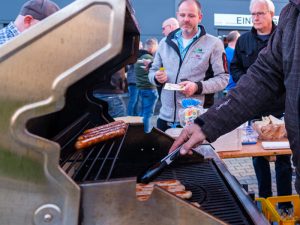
[154,170]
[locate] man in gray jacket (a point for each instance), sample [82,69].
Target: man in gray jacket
[275,72]
[191,58]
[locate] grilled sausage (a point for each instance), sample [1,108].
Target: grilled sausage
[80,144]
[160,183]
[196,204]
[115,123]
[148,190]
[181,194]
[143,198]
[166,182]
[174,188]
[143,191]
[103,131]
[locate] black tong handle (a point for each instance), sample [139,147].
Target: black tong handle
[153,171]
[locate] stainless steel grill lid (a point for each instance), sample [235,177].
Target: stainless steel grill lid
[39,70]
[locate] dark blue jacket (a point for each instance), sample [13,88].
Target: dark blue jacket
[246,52]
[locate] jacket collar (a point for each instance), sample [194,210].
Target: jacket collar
[254,31]
[296,3]
[174,46]
[143,52]
[172,34]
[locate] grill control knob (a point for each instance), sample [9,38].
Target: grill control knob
[48,214]
[48,217]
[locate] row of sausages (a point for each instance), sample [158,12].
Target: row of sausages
[101,133]
[144,191]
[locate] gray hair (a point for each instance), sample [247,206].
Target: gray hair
[171,21]
[268,3]
[149,43]
[233,35]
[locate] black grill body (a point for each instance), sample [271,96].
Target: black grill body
[130,155]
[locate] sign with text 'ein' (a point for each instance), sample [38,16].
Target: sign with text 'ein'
[236,20]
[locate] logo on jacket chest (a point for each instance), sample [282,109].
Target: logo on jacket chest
[197,53]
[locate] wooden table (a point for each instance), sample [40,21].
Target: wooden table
[253,150]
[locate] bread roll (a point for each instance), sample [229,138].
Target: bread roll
[270,128]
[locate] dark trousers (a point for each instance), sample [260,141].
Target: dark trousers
[165,125]
[283,171]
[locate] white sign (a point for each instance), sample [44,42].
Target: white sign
[236,20]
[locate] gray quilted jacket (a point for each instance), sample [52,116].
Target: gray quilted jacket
[204,63]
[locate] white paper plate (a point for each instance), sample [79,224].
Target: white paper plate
[275,145]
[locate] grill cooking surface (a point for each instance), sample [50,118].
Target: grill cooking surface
[209,190]
[125,157]
[94,163]
[109,159]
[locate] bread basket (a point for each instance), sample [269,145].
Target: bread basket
[270,128]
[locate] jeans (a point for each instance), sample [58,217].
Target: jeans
[283,176]
[149,98]
[133,103]
[165,125]
[116,105]
[297,181]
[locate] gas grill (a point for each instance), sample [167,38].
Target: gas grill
[48,75]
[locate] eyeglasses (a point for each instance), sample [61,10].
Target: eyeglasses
[259,14]
[163,28]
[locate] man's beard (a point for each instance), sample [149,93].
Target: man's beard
[188,29]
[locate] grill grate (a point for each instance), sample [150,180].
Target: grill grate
[94,163]
[209,190]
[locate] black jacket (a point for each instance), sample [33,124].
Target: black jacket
[246,51]
[275,72]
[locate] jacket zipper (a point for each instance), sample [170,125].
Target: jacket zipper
[178,71]
[175,47]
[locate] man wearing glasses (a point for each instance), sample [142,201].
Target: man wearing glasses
[252,42]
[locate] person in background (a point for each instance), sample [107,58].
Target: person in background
[232,39]
[169,25]
[113,93]
[133,103]
[225,41]
[246,52]
[30,14]
[274,74]
[191,58]
[148,91]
